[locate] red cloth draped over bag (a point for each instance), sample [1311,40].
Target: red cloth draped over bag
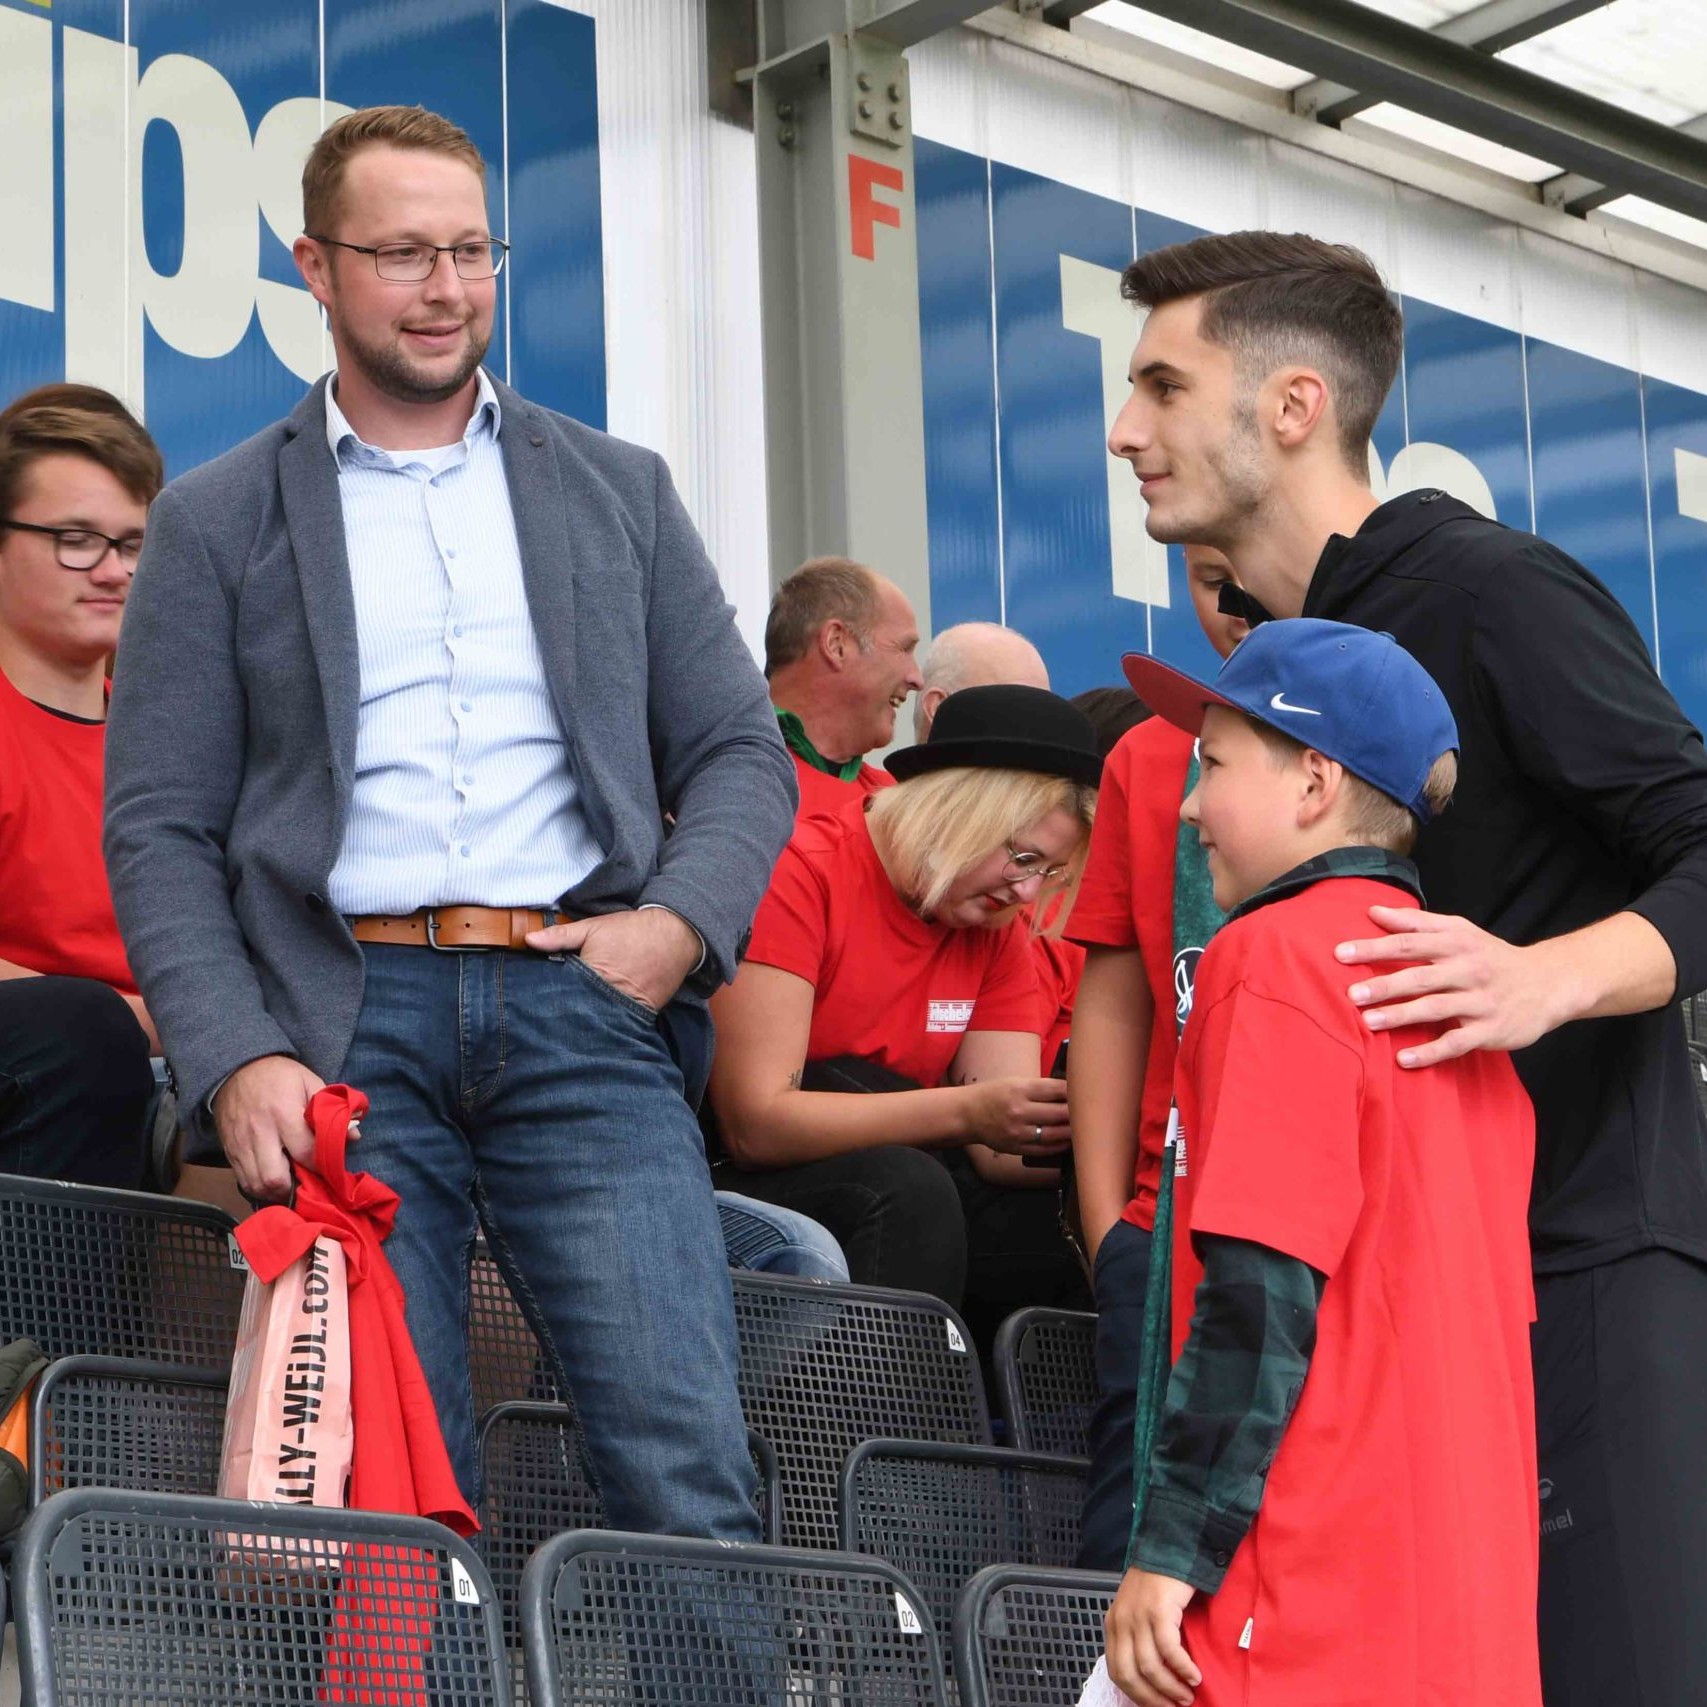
[388,1597]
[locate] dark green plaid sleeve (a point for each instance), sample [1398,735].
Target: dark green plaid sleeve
[1230,1397]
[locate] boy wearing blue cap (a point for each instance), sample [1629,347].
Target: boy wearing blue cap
[1337,1504]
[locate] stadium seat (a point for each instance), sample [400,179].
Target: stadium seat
[506,1360]
[150,1599]
[92,1271]
[940,1514]
[1029,1638]
[1046,1379]
[655,1622]
[110,1422]
[824,1368]
[536,1486]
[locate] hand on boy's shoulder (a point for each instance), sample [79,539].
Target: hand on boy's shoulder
[1146,1657]
[1483,992]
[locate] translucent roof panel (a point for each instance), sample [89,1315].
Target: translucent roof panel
[1647,57]
[1258,67]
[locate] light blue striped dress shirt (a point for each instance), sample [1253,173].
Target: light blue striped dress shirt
[463,789]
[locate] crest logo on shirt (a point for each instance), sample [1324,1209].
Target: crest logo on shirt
[948,1016]
[1185,976]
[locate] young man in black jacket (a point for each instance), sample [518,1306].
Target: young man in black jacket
[1568,885]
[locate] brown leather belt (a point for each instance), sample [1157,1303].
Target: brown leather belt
[455,929]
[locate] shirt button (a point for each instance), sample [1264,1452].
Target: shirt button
[467,705]
[467,852]
[457,630]
[467,781]
[1221,1558]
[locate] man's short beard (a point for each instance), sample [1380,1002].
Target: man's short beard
[1240,495]
[388,370]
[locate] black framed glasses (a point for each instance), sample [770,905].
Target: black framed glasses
[1023,866]
[410,263]
[84,548]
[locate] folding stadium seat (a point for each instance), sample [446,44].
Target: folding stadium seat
[655,1622]
[536,1485]
[84,1269]
[146,1600]
[824,1368]
[110,1422]
[1046,1378]
[1029,1638]
[940,1514]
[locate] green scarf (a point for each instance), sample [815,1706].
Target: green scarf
[794,734]
[1196,920]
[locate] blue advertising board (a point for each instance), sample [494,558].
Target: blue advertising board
[153,192]
[1023,370]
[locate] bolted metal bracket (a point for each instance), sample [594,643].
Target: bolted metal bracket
[879,96]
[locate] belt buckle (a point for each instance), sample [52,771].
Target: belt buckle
[449,947]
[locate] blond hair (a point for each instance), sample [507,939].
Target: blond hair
[1375,819]
[935,827]
[392,127]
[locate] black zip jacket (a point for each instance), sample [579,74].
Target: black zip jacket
[1582,792]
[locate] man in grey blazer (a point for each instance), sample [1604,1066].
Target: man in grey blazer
[407,687]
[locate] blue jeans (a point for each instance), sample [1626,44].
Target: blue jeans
[769,1239]
[523,1093]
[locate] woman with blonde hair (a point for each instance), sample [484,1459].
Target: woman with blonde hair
[892,953]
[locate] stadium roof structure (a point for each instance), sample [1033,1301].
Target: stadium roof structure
[1557,78]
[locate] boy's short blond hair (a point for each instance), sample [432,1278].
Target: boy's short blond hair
[1375,818]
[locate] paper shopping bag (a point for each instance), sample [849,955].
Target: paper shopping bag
[288,1429]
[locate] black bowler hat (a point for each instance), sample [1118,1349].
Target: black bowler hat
[1006,728]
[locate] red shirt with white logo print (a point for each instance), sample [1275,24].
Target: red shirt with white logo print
[889,986]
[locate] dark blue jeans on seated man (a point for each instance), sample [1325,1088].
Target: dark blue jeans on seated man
[522,1093]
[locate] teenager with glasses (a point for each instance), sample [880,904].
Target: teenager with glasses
[77,474]
[890,955]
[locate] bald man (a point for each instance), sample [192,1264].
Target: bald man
[974,655]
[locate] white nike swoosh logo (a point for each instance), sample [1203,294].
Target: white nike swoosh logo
[1279,704]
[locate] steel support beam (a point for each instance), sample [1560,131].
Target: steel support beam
[1581,195]
[1459,86]
[839,282]
[1063,12]
[1489,28]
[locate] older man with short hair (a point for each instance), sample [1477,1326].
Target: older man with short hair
[839,656]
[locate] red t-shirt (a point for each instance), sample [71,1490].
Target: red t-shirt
[820,792]
[1393,1561]
[1059,964]
[1126,900]
[56,913]
[891,987]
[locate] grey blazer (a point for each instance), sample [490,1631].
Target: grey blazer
[231,735]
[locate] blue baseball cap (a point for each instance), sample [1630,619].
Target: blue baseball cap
[1348,692]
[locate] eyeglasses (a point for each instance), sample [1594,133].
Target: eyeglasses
[1022,867]
[410,263]
[84,548]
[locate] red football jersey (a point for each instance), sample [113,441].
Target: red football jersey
[1058,964]
[1393,1561]
[56,913]
[891,987]
[1126,900]
[820,792]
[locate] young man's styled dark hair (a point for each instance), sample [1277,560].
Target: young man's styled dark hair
[1275,297]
